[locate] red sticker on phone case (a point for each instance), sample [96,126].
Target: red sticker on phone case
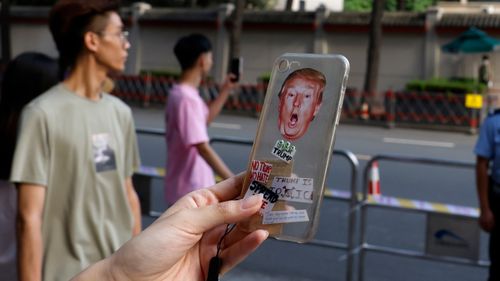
[261,171]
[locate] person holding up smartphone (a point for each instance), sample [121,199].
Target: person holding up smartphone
[236,68]
[190,157]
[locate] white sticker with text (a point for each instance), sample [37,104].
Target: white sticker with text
[285,217]
[294,189]
[284,150]
[269,196]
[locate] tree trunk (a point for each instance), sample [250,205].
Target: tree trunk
[401,5]
[235,34]
[374,47]
[5,30]
[289,5]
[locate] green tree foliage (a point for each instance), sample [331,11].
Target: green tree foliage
[420,5]
[390,5]
[357,5]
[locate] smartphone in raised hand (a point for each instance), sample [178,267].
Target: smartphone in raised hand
[236,68]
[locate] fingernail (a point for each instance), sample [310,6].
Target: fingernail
[249,202]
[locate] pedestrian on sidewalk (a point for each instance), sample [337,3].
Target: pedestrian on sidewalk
[76,151]
[488,187]
[190,158]
[486,72]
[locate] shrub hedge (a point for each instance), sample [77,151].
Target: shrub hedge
[455,85]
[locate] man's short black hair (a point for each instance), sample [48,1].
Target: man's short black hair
[68,22]
[189,48]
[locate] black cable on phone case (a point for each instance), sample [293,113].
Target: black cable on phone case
[216,262]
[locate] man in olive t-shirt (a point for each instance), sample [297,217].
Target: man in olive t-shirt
[76,151]
[81,151]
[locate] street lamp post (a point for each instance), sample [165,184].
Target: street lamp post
[133,66]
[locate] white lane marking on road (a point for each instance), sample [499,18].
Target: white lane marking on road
[226,126]
[420,142]
[364,157]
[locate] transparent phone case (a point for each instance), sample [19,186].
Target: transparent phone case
[292,149]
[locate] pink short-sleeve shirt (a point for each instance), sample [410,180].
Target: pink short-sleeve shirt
[186,126]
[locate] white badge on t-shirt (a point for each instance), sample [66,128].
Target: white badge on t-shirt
[104,156]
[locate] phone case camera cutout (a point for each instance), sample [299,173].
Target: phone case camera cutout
[294,142]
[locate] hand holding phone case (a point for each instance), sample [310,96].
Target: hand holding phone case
[294,143]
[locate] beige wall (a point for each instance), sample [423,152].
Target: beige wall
[158,45]
[32,37]
[353,47]
[402,57]
[260,49]
[401,60]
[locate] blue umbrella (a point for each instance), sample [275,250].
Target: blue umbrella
[472,41]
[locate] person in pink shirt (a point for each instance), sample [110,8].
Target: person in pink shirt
[191,161]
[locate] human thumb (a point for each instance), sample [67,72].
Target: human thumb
[205,218]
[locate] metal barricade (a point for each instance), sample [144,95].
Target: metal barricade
[330,194]
[352,199]
[148,90]
[150,131]
[418,206]
[432,110]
